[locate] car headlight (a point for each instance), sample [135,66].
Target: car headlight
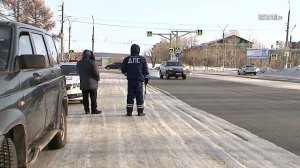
[170,69]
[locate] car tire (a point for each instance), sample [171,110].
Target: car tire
[60,139]
[176,77]
[160,75]
[184,77]
[254,73]
[8,154]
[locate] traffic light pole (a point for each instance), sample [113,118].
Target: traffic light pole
[164,35]
[176,35]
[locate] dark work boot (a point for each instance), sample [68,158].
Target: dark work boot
[129,114]
[96,112]
[87,111]
[141,114]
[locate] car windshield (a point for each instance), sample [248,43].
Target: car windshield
[5,40]
[69,70]
[174,64]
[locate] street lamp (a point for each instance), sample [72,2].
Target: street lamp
[223,48]
[291,34]
[70,26]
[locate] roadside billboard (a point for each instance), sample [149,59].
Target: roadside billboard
[258,53]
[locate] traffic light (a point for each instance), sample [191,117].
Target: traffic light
[199,32]
[171,50]
[149,33]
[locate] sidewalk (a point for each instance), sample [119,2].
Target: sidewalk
[172,134]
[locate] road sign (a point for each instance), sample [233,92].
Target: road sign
[199,32]
[149,34]
[257,53]
[177,55]
[177,50]
[273,56]
[171,50]
[71,51]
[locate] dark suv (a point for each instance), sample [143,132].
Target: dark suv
[115,65]
[33,99]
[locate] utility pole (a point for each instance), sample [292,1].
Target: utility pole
[69,46]
[288,25]
[93,35]
[62,32]
[223,48]
[287,37]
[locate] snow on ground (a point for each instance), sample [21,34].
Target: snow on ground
[172,134]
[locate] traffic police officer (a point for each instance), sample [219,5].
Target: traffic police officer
[136,69]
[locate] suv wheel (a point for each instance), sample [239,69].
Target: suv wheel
[8,154]
[160,75]
[59,140]
[183,76]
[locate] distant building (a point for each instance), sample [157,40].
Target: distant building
[232,51]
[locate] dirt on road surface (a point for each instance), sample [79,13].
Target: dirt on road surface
[172,134]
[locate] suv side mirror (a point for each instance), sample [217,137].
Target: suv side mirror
[31,61]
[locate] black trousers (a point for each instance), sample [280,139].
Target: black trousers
[93,96]
[135,90]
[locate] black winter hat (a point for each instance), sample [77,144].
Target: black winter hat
[135,49]
[86,53]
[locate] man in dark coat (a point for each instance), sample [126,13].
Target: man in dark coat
[89,77]
[136,69]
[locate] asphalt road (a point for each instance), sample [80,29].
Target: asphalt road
[270,113]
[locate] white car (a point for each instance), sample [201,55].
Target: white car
[72,81]
[247,69]
[172,69]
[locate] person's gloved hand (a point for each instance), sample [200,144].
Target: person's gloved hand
[146,81]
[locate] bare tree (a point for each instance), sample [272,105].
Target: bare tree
[32,12]
[153,55]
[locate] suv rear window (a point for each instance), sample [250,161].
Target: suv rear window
[5,42]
